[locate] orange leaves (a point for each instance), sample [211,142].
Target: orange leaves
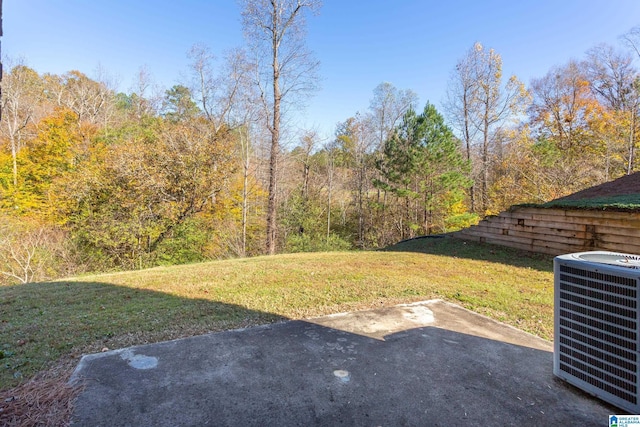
[562,106]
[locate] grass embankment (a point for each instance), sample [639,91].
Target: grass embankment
[624,202]
[45,324]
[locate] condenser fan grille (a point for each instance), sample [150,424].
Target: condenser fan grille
[618,260]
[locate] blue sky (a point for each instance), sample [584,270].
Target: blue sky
[414,44]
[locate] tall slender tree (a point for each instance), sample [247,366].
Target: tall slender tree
[478,100]
[275,30]
[355,143]
[460,93]
[22,96]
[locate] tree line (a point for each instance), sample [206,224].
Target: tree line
[93,179]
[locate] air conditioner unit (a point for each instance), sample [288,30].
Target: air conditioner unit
[596,325]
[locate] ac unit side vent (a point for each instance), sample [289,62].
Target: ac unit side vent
[607,348]
[597,336]
[597,305]
[614,330]
[616,382]
[568,354]
[598,315]
[629,397]
[624,361]
[621,301]
[599,286]
[602,277]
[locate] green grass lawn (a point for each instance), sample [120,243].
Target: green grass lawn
[42,324]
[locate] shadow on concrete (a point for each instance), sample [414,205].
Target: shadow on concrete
[43,322]
[319,373]
[449,246]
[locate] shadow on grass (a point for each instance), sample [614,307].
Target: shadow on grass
[42,323]
[448,246]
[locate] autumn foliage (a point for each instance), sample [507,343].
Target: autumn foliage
[92,179]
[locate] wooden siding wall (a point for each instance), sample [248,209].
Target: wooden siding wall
[559,231]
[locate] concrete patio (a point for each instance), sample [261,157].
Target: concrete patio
[425,364]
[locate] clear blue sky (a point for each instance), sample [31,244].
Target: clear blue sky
[414,44]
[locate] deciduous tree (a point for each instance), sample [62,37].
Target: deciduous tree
[355,144]
[614,82]
[22,98]
[90,100]
[561,105]
[479,100]
[275,31]
[136,193]
[32,251]
[461,93]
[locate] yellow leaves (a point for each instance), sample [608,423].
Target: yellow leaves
[129,196]
[44,159]
[6,176]
[458,207]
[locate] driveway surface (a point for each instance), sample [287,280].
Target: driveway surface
[425,364]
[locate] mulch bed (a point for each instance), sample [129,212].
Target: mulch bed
[45,400]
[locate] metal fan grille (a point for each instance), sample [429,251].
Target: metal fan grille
[598,330]
[618,260]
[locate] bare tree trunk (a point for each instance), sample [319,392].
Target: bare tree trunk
[361,177]
[330,173]
[424,214]
[245,184]
[467,139]
[14,157]
[275,138]
[632,141]
[306,169]
[273,172]
[485,162]
[271,26]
